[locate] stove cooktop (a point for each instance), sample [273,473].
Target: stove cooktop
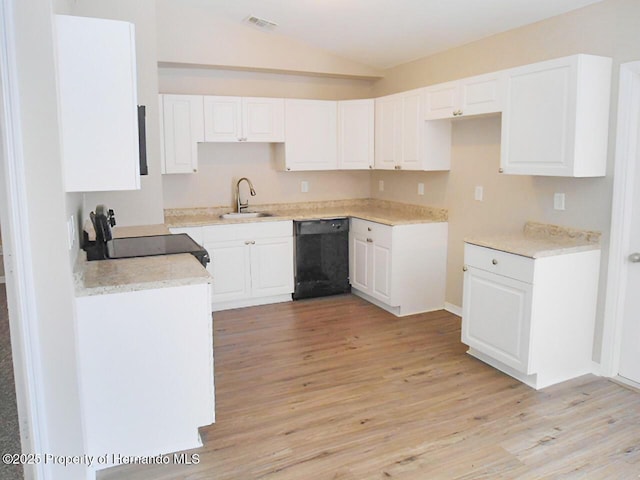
[130,247]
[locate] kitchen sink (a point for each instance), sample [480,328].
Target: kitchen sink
[236,215]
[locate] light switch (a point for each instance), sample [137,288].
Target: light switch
[558,201]
[421,189]
[479,193]
[71,230]
[381,185]
[304,186]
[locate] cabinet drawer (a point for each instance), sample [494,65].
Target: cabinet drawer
[377,232]
[501,263]
[242,231]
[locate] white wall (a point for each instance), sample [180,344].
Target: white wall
[53,291]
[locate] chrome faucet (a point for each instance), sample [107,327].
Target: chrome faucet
[241,205]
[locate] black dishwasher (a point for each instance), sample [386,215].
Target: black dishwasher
[321,257]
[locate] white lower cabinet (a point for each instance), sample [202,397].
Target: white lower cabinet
[400,268]
[530,318]
[146,370]
[251,263]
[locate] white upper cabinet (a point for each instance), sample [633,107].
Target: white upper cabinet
[556,117]
[403,140]
[96,66]
[477,95]
[310,135]
[182,128]
[355,134]
[243,119]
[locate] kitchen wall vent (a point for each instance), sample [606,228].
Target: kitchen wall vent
[261,22]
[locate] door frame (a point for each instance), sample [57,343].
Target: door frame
[627,151]
[17,257]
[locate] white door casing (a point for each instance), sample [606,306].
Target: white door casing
[621,335]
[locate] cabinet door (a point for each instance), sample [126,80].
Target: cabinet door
[355,134]
[496,317]
[230,268]
[311,135]
[360,260]
[412,130]
[182,130]
[537,127]
[481,94]
[381,271]
[222,119]
[262,119]
[388,124]
[442,100]
[272,267]
[556,118]
[96,66]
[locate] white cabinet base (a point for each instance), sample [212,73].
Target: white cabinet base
[146,370]
[536,380]
[250,302]
[397,311]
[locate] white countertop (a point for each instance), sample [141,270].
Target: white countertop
[540,240]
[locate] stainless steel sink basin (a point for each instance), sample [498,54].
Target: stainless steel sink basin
[235,215]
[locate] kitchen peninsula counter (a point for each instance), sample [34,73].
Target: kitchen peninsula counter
[142,273]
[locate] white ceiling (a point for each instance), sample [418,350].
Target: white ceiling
[385,33]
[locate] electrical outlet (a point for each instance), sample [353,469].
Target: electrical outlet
[71,230]
[381,185]
[479,193]
[304,186]
[420,188]
[558,201]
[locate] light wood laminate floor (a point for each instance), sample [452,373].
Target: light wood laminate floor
[336,388]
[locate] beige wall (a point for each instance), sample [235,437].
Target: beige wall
[609,28]
[192,35]
[220,165]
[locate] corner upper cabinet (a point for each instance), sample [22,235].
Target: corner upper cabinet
[556,117]
[403,140]
[96,66]
[356,134]
[310,135]
[243,119]
[181,129]
[479,95]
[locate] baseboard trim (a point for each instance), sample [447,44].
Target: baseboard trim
[451,308]
[250,302]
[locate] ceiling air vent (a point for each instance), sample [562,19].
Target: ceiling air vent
[261,22]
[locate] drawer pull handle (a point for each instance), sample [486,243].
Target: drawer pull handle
[464,268]
[369,240]
[494,261]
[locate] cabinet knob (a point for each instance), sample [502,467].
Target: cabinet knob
[634,257]
[464,268]
[494,261]
[370,166]
[370,240]
[500,170]
[368,229]
[288,168]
